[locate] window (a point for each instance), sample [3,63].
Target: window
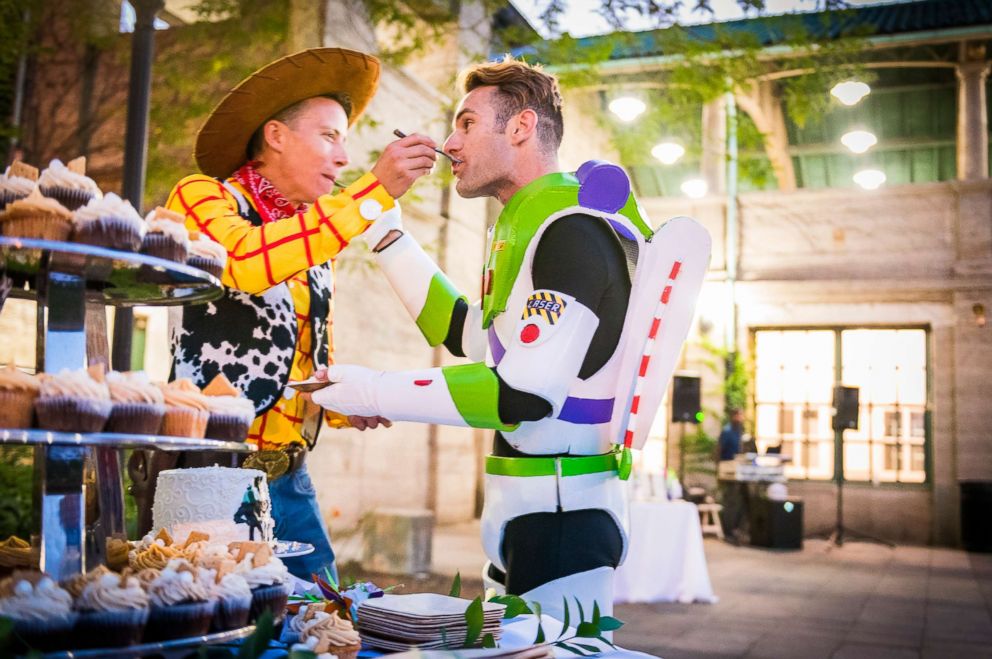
[795,371]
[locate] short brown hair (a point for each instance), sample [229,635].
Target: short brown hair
[287,115]
[521,86]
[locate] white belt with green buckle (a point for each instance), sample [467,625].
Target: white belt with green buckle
[562,466]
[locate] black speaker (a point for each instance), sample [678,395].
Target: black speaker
[685,398]
[777,524]
[846,404]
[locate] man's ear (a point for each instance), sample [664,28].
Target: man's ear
[524,127]
[274,133]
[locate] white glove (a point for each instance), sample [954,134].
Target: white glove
[354,392]
[388,221]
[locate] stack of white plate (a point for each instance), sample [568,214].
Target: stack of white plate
[423,621]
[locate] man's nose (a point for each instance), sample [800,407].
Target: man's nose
[341,158]
[451,144]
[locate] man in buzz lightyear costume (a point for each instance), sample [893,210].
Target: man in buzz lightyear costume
[569,374]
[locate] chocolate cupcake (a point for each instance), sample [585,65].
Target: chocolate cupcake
[138,405]
[41,610]
[108,222]
[68,184]
[18,391]
[113,612]
[186,410]
[181,604]
[72,401]
[206,255]
[268,579]
[17,182]
[36,217]
[233,597]
[231,414]
[166,236]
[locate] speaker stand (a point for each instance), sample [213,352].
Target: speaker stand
[836,537]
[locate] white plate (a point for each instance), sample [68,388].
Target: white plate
[291,548]
[425,605]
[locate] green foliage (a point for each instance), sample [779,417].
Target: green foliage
[16,477]
[456,586]
[474,621]
[515,605]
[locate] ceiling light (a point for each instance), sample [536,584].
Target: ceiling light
[695,188]
[850,92]
[668,153]
[870,179]
[859,141]
[627,108]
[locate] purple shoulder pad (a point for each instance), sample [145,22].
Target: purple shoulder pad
[603,186]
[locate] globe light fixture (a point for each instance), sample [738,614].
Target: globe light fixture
[870,179]
[627,108]
[859,141]
[695,188]
[850,92]
[668,153]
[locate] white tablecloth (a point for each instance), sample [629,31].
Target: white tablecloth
[665,561]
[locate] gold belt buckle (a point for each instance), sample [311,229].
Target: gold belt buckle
[273,462]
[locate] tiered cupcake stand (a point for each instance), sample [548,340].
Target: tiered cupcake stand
[65,278]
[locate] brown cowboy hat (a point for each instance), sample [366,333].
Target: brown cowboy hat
[222,143]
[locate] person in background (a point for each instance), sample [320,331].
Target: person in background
[731,436]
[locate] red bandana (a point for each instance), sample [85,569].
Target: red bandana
[271,204]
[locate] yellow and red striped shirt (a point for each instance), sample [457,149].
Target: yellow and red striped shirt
[260,257]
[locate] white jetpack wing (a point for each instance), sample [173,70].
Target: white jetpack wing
[670,271]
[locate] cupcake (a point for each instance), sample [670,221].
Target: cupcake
[322,631]
[72,401]
[154,556]
[231,414]
[76,584]
[108,222]
[181,603]
[17,182]
[36,217]
[233,597]
[18,391]
[206,255]
[186,410]
[113,612]
[166,236]
[41,610]
[118,553]
[17,553]
[138,405]
[68,184]
[267,577]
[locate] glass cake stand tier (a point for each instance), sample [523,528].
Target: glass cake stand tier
[179,647]
[107,276]
[66,464]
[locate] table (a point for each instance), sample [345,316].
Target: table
[665,561]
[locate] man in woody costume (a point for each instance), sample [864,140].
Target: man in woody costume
[584,310]
[270,155]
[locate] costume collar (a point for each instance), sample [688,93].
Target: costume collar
[271,204]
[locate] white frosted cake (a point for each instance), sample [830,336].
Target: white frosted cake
[229,504]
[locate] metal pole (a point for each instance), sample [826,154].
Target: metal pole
[136,147]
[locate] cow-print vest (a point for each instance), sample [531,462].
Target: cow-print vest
[251,339]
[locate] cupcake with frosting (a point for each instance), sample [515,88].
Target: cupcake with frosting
[233,596]
[206,255]
[322,631]
[231,414]
[68,184]
[17,182]
[153,552]
[181,604]
[108,222]
[41,610]
[75,584]
[73,401]
[36,217]
[138,405]
[18,391]
[186,410]
[166,236]
[267,577]
[114,610]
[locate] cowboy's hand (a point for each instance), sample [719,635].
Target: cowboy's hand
[353,392]
[368,422]
[403,162]
[391,220]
